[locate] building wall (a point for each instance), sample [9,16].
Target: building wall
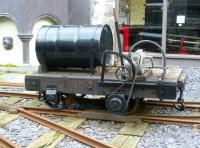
[102,12]
[25,14]
[137,12]
[14,55]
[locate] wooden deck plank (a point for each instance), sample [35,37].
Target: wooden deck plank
[131,142]
[119,140]
[133,129]
[5,117]
[12,100]
[124,141]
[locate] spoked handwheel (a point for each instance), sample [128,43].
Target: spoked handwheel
[122,74]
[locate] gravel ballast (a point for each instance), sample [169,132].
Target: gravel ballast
[176,136]
[192,89]
[68,142]
[101,130]
[170,136]
[22,131]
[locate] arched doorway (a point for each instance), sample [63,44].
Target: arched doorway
[9,35]
[37,26]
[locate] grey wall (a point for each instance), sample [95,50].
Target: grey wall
[26,12]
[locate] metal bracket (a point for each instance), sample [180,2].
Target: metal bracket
[180,103]
[159,90]
[52,97]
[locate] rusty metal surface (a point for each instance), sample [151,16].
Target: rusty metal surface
[188,105]
[67,131]
[11,84]
[171,75]
[25,95]
[5,143]
[84,83]
[135,117]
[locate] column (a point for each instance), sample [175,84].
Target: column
[164,24]
[25,38]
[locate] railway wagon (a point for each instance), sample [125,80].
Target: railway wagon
[81,60]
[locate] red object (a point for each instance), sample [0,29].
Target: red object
[182,49]
[124,30]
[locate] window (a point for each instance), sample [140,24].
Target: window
[144,19]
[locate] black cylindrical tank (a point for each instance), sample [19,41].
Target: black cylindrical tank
[73,46]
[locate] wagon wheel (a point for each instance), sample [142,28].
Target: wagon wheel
[122,74]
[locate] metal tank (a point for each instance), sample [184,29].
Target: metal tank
[73,46]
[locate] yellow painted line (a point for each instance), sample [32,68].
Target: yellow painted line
[51,138]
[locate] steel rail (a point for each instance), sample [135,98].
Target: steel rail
[11,84]
[171,120]
[89,114]
[34,94]
[145,117]
[63,112]
[170,101]
[95,114]
[67,131]
[21,94]
[6,143]
[189,105]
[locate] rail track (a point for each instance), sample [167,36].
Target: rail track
[31,113]
[20,94]
[57,127]
[188,105]
[102,115]
[151,102]
[11,84]
[67,131]
[5,143]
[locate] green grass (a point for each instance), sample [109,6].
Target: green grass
[9,65]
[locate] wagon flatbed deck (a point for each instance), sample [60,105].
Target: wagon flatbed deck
[146,85]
